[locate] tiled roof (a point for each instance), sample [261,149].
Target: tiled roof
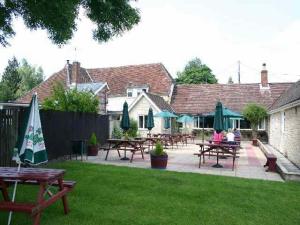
[197,99]
[290,95]
[44,89]
[160,102]
[155,76]
[120,78]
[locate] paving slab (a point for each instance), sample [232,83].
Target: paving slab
[182,159]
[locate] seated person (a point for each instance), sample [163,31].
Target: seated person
[217,137]
[230,137]
[236,133]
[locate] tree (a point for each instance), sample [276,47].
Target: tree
[254,114]
[230,80]
[18,79]
[31,77]
[71,100]
[196,73]
[111,17]
[10,82]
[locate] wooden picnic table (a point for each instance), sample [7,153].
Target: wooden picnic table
[45,178]
[125,145]
[214,149]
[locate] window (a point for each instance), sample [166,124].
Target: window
[208,122]
[262,124]
[245,124]
[143,121]
[144,90]
[129,94]
[282,122]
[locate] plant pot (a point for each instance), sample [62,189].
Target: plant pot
[254,142]
[92,150]
[159,162]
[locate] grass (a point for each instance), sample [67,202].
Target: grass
[119,195]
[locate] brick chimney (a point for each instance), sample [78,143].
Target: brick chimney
[264,76]
[75,72]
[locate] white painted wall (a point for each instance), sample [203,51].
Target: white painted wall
[115,104]
[142,108]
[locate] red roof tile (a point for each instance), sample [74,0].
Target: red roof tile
[197,99]
[44,89]
[118,78]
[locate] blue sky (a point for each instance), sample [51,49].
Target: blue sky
[172,32]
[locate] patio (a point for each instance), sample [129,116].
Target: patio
[248,165]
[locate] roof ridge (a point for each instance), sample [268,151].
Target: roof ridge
[126,66]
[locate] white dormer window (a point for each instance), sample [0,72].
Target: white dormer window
[136,91]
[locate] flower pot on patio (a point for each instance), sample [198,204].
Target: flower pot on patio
[159,158]
[254,142]
[93,146]
[92,150]
[159,162]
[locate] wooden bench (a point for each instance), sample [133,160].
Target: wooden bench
[271,162]
[45,179]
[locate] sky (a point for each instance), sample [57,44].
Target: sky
[219,32]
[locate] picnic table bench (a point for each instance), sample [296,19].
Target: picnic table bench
[213,149]
[125,145]
[44,178]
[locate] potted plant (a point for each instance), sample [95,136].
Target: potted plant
[93,145]
[254,114]
[159,158]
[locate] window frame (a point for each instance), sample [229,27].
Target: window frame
[145,118]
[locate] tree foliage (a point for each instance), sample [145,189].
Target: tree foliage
[254,114]
[71,100]
[18,79]
[132,131]
[196,73]
[10,82]
[31,77]
[111,17]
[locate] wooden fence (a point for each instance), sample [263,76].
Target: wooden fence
[59,129]
[9,123]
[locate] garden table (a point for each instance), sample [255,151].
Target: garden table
[216,149]
[44,178]
[126,145]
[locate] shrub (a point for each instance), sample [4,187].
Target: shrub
[159,150]
[71,100]
[254,114]
[132,132]
[116,133]
[93,140]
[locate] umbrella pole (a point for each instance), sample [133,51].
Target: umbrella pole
[202,129]
[13,197]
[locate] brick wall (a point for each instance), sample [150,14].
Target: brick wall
[287,141]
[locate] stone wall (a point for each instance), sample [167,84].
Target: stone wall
[286,141]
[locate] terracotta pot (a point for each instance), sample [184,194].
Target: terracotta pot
[92,150]
[254,142]
[159,162]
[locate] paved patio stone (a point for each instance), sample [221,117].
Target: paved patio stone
[181,159]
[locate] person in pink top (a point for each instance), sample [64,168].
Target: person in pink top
[217,137]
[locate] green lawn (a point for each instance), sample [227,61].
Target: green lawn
[119,195]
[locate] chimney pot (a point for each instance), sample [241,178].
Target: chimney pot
[75,72]
[264,76]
